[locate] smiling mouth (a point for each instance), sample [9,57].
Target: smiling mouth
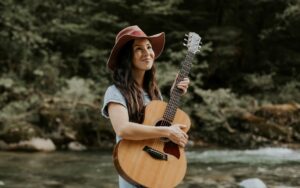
[148,59]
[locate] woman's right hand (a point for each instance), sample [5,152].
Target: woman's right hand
[177,135]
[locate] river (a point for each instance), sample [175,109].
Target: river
[276,167]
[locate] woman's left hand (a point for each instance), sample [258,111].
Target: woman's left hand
[184,85]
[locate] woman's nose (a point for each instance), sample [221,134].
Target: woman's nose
[146,52]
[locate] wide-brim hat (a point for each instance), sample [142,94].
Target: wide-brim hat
[134,32]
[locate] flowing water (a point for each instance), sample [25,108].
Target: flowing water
[276,167]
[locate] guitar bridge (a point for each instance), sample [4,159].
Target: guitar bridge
[155,153]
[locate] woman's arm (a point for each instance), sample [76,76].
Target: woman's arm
[133,131]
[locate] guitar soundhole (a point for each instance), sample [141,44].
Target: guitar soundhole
[163,123]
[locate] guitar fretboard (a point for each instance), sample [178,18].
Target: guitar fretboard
[176,92]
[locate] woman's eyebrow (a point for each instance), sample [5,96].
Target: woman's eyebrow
[142,44]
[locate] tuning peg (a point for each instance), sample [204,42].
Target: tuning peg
[184,44]
[186,35]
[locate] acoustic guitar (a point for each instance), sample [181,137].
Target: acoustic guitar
[158,162]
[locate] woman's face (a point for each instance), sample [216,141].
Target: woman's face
[143,55]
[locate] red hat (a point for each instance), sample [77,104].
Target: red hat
[133,32]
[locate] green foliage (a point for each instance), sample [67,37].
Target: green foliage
[218,106]
[264,82]
[6,83]
[60,48]
[290,92]
[78,89]
[169,7]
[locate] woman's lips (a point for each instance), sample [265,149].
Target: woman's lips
[147,59]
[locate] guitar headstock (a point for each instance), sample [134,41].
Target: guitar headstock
[193,42]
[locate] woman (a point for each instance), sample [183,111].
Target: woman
[134,85]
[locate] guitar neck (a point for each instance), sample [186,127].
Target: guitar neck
[176,92]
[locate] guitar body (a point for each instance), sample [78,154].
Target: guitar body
[149,169]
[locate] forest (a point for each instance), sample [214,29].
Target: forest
[245,81]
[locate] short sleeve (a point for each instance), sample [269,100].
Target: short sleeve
[112,94]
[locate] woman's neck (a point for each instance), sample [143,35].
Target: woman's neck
[139,77]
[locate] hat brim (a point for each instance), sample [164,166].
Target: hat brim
[157,41]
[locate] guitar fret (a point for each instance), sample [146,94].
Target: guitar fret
[176,93]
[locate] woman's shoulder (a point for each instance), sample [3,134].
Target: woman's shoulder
[112,94]
[112,90]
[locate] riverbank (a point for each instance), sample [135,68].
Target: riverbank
[61,124]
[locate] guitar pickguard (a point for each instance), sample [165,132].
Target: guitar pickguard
[172,149]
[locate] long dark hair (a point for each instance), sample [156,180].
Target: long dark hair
[124,81]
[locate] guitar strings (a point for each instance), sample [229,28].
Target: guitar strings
[169,115]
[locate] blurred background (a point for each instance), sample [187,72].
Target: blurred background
[244,99]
